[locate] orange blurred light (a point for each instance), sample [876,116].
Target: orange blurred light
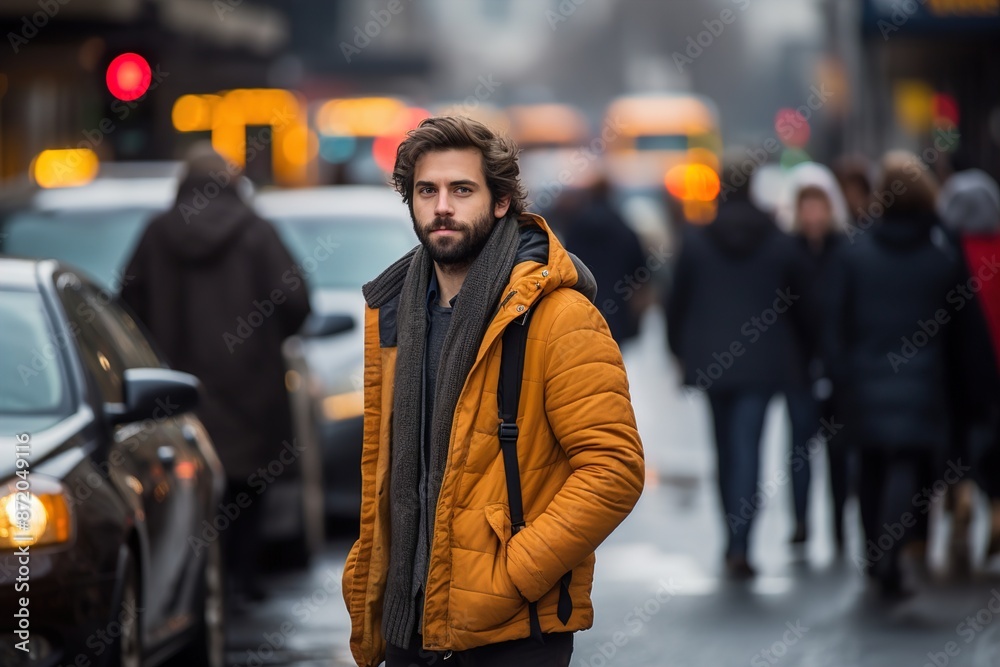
[693,182]
[184,470]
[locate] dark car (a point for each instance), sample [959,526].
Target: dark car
[95,227]
[107,482]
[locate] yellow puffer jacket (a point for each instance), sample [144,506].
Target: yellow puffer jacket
[580,460]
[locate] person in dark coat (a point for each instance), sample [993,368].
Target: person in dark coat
[852,172]
[816,213]
[736,318]
[892,334]
[598,235]
[219,293]
[970,206]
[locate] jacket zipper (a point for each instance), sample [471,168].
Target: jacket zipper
[506,299]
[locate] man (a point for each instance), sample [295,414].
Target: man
[199,271]
[736,321]
[437,572]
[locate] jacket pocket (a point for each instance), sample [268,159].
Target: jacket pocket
[490,598]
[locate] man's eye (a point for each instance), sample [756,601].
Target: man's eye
[462,189]
[426,190]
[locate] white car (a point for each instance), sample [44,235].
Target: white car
[341,237]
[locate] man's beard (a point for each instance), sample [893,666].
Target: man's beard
[451,252]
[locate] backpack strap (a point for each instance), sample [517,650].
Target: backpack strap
[512,353]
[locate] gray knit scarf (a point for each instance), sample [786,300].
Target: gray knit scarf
[474,309]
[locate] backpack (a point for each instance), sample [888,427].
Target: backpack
[515,340]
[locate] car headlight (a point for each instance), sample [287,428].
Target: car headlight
[34,512]
[344,406]
[347,399]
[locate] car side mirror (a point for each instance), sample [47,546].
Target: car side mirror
[154,393]
[320,325]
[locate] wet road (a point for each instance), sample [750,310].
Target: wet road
[660,595]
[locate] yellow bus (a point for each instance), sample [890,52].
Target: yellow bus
[666,141]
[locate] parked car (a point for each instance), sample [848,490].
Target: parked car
[95,228]
[121,477]
[341,237]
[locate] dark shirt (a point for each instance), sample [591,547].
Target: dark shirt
[438,322]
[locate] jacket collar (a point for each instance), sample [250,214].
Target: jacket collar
[542,265]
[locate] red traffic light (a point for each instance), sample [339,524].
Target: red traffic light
[128,76]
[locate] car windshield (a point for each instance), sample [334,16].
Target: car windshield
[99,242]
[661,142]
[32,386]
[344,253]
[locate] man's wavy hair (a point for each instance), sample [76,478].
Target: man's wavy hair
[442,133]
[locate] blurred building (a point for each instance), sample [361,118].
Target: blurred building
[53,91]
[53,70]
[924,75]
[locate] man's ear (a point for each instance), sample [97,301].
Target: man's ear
[501,206]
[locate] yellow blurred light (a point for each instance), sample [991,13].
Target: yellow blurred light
[283,115]
[300,145]
[193,113]
[37,517]
[359,117]
[638,116]
[344,406]
[63,168]
[293,381]
[549,124]
[914,104]
[694,182]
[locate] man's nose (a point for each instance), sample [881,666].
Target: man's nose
[442,206]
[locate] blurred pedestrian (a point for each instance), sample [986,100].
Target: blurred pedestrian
[853,173]
[818,217]
[890,350]
[737,319]
[600,237]
[447,565]
[208,280]
[970,205]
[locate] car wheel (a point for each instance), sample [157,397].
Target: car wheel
[208,648]
[127,650]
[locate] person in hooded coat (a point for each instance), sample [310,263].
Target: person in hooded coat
[219,292]
[896,322]
[970,206]
[599,236]
[737,318]
[815,212]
